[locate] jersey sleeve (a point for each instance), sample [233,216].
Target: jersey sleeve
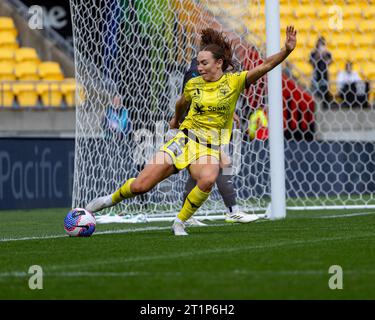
[241,78]
[191,73]
[187,90]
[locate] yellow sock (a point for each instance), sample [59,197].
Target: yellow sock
[193,201]
[124,192]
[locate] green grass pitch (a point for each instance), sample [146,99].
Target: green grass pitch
[284,259]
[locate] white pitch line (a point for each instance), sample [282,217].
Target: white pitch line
[346,215]
[119,231]
[17,274]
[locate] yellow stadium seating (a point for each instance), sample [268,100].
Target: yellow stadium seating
[366,26]
[304,24]
[26,93]
[350,11]
[8,41]
[27,71]
[304,67]
[360,55]
[68,88]
[7,56]
[306,11]
[349,24]
[368,70]
[25,54]
[340,54]
[6,95]
[286,11]
[342,40]
[322,12]
[364,40]
[50,93]
[369,12]
[7,72]
[334,68]
[50,71]
[299,55]
[352,38]
[7,24]
[358,2]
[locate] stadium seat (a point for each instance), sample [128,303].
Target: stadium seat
[360,55]
[334,68]
[25,54]
[350,11]
[299,55]
[306,11]
[286,11]
[50,93]
[369,12]
[7,72]
[50,71]
[343,40]
[364,40]
[26,93]
[8,41]
[366,26]
[304,67]
[6,95]
[368,70]
[7,24]
[340,55]
[68,88]
[357,2]
[320,26]
[350,25]
[302,25]
[322,12]
[7,56]
[27,71]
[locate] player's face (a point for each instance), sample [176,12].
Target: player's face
[208,67]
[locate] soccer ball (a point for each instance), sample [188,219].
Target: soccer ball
[79,223]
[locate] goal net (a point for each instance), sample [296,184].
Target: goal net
[130,59]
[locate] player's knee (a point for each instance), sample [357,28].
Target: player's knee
[206,183]
[140,186]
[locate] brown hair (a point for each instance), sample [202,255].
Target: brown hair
[219,45]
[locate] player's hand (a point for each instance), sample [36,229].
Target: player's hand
[237,120]
[173,124]
[291,38]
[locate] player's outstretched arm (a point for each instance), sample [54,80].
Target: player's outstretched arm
[274,60]
[181,106]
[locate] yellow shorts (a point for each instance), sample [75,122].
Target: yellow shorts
[184,151]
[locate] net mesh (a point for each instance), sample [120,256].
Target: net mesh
[130,59]
[134,54]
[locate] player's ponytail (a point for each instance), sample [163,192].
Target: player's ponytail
[217,43]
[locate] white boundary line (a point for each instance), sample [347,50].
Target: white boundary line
[119,231]
[346,215]
[124,231]
[179,274]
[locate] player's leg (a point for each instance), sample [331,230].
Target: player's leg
[189,185]
[204,171]
[158,169]
[226,188]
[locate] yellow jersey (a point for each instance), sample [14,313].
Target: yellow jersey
[212,105]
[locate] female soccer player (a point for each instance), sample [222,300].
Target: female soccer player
[224,182]
[212,98]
